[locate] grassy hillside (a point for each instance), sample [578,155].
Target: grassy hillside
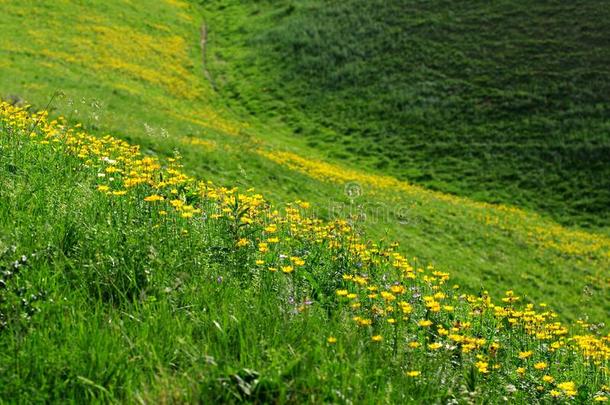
[124,280]
[99,62]
[505,102]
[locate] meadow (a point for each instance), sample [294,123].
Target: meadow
[163,240]
[503,103]
[127,280]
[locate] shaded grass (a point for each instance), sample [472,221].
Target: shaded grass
[503,102]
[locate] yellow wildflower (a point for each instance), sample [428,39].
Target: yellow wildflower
[548,379]
[387,296]
[525,355]
[482,367]
[271,228]
[153,198]
[342,293]
[568,387]
[297,261]
[540,366]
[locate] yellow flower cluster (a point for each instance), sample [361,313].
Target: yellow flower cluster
[390,300]
[514,220]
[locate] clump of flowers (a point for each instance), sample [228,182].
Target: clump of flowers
[398,307]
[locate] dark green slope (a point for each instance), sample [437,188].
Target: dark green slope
[507,101]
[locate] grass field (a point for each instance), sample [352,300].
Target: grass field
[126,281]
[504,102]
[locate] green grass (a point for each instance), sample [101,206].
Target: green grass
[143,110]
[103,299]
[504,102]
[117,311]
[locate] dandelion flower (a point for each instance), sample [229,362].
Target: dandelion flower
[525,355]
[568,387]
[540,366]
[482,367]
[153,198]
[342,293]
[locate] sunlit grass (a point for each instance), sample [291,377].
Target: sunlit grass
[122,238]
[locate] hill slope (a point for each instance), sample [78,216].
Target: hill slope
[505,102]
[128,277]
[109,82]
[125,280]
